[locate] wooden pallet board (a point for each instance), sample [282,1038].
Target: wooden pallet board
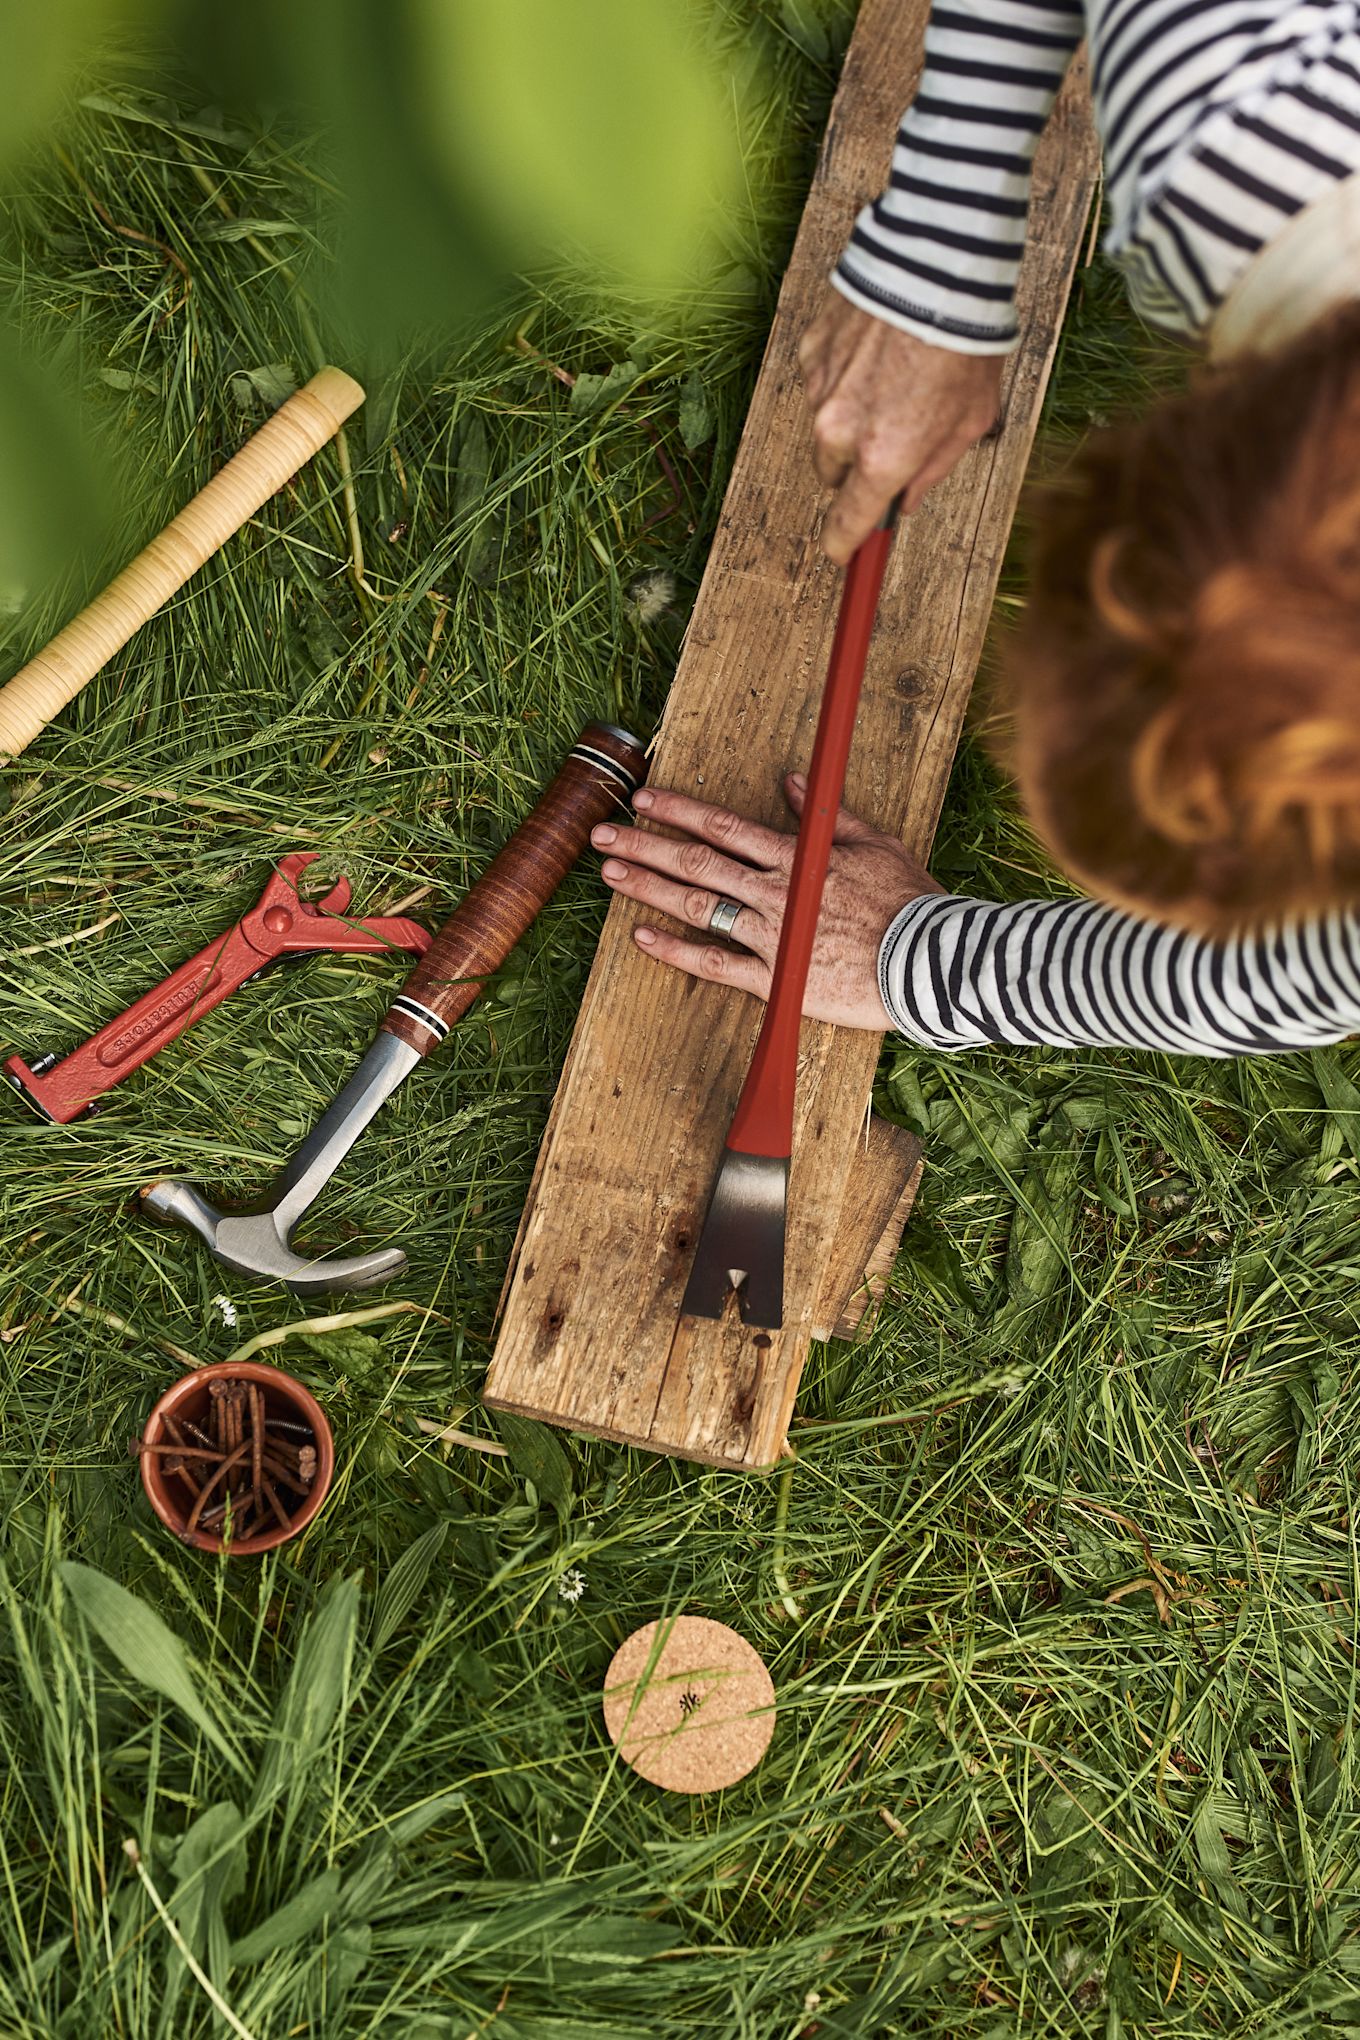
[591,1335]
[880,1189]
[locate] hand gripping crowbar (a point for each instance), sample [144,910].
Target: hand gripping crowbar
[601,773]
[741,1246]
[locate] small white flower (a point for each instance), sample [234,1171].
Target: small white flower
[572,1585]
[226,1311]
[652,594]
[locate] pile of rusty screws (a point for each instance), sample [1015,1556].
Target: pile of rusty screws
[234,1475]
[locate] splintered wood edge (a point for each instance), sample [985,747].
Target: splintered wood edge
[860,1311]
[581,1427]
[879,1190]
[854,1314]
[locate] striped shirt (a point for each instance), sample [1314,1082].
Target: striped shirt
[958,973]
[1219,121]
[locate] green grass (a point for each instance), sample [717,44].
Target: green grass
[1063,1744]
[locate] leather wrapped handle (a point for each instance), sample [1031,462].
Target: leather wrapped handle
[601,773]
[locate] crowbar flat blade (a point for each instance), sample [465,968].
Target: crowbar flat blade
[741,1246]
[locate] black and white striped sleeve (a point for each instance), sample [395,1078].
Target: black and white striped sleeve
[958,973]
[939,252]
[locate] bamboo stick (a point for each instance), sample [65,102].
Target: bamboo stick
[286,442]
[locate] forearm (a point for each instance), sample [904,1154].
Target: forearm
[938,254]
[957,973]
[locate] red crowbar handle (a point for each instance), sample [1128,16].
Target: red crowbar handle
[281,923]
[741,1246]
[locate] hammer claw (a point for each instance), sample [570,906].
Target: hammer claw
[254,1246]
[256,1243]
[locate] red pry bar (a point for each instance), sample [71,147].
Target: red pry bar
[281,923]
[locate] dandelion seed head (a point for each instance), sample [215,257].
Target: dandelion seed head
[652,594]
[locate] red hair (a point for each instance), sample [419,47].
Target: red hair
[1185,683]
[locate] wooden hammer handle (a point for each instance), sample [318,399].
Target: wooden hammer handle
[600,774]
[298,429]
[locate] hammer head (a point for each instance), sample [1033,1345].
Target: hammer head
[257,1246]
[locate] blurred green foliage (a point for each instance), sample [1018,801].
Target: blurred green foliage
[598,129]
[449,147]
[43,50]
[53,491]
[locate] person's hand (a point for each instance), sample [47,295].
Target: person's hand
[716,854]
[890,414]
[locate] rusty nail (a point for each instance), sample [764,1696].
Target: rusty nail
[271,1496]
[256,1439]
[213,1479]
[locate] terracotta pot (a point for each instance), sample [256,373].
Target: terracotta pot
[189,1399]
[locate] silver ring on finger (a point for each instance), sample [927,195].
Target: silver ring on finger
[723,919]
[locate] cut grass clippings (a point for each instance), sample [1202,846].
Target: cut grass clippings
[1059,1594]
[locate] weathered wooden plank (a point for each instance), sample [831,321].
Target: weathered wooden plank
[591,1335]
[880,1189]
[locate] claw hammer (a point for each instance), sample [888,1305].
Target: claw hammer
[601,774]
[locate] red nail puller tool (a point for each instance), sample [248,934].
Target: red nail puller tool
[741,1246]
[280,924]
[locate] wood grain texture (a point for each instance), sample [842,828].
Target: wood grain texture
[591,1335]
[880,1189]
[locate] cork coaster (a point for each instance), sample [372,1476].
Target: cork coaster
[689,1704]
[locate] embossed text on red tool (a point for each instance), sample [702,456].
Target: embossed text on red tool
[281,923]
